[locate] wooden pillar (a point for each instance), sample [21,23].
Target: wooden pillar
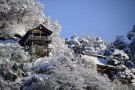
[31,48]
[40,34]
[32,45]
[32,34]
[47,49]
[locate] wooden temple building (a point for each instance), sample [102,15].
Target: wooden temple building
[36,41]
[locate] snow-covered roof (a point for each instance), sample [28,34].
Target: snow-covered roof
[96,60]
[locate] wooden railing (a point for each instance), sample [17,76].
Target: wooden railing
[40,38]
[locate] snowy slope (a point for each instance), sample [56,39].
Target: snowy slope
[96,60]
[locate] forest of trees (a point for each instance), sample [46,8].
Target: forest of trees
[119,53]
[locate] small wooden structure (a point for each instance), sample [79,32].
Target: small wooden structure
[102,66]
[109,70]
[36,41]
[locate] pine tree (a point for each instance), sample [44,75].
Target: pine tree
[131,37]
[120,43]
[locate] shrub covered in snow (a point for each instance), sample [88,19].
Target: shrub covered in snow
[67,73]
[12,62]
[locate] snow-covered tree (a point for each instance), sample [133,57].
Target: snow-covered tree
[120,43]
[99,45]
[109,50]
[131,34]
[93,45]
[74,44]
[131,37]
[13,62]
[89,38]
[86,45]
[57,46]
[17,16]
[118,57]
[123,66]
